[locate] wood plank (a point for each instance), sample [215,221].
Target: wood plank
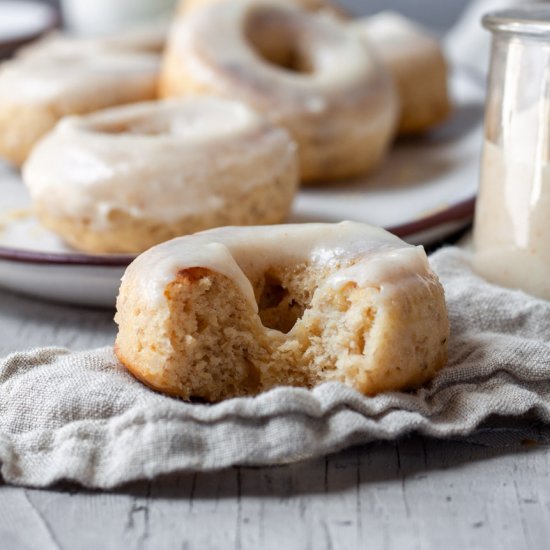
[22,525]
[83,519]
[26,323]
[418,493]
[195,511]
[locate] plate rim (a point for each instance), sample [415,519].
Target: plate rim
[462,210]
[53,23]
[459,211]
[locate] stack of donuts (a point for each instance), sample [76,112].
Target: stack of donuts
[144,138]
[129,140]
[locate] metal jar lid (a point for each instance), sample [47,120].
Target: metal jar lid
[531,20]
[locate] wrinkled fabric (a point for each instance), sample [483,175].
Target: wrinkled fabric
[83,417]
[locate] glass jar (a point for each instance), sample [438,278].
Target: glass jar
[512,221]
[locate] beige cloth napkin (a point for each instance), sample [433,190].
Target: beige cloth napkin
[82,417]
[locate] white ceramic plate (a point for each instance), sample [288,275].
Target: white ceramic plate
[425,191]
[22,21]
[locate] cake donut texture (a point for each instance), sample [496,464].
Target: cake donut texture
[312,74]
[124,179]
[36,91]
[237,311]
[416,61]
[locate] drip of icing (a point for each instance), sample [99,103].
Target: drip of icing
[386,266]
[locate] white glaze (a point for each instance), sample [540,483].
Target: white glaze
[388,266]
[211,43]
[157,160]
[150,37]
[512,227]
[397,39]
[74,79]
[359,253]
[147,38]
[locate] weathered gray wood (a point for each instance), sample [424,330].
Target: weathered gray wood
[417,493]
[26,323]
[21,524]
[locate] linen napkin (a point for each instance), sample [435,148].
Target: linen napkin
[82,417]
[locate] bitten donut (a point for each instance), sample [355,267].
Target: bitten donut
[416,61]
[38,90]
[312,74]
[124,179]
[237,311]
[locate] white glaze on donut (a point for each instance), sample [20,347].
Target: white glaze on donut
[73,80]
[338,58]
[397,38]
[416,61]
[358,253]
[158,160]
[309,73]
[148,38]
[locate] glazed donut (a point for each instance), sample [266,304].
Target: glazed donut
[237,311]
[311,74]
[416,61]
[146,38]
[149,39]
[36,91]
[186,6]
[124,179]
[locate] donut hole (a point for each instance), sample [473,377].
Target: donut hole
[279,40]
[282,298]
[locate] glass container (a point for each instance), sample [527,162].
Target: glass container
[512,221]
